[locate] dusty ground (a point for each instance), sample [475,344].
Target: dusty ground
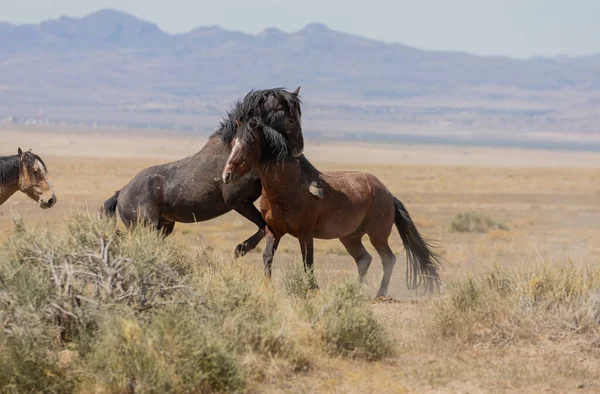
[549,200]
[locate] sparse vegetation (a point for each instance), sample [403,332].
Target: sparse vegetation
[471,222]
[85,307]
[343,316]
[505,306]
[553,214]
[299,283]
[348,326]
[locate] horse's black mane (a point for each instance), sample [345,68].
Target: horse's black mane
[9,165]
[272,143]
[9,169]
[268,104]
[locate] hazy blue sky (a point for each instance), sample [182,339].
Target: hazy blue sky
[512,27]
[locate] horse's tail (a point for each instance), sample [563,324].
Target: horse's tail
[110,205]
[422,264]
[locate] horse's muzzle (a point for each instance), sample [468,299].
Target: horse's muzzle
[229,177]
[49,203]
[226,177]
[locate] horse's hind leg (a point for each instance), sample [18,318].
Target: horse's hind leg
[145,213]
[139,202]
[358,252]
[250,212]
[388,259]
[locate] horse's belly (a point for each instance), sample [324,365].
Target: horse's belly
[340,227]
[324,234]
[327,225]
[194,215]
[190,208]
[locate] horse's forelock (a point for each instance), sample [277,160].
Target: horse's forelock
[273,144]
[246,135]
[275,148]
[272,103]
[29,158]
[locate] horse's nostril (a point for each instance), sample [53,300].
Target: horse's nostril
[51,201]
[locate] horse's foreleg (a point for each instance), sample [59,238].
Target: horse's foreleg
[270,248]
[166,228]
[250,212]
[306,246]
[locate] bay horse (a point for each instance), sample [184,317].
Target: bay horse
[354,204]
[26,172]
[190,190]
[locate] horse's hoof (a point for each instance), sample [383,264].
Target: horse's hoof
[267,284]
[240,251]
[384,298]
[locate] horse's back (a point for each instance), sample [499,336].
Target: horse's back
[353,200]
[356,185]
[190,189]
[148,190]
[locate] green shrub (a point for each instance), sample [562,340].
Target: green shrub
[348,326]
[137,311]
[299,283]
[175,352]
[28,365]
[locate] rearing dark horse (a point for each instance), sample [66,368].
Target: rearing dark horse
[191,190]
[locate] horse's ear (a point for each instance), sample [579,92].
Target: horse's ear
[20,152]
[238,123]
[295,92]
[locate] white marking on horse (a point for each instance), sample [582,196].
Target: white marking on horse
[43,169]
[236,147]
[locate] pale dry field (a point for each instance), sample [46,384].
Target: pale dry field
[549,200]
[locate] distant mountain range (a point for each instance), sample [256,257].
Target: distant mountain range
[112,68]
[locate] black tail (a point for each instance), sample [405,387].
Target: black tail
[110,205]
[422,264]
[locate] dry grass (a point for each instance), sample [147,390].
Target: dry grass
[475,222]
[529,329]
[497,343]
[503,306]
[500,235]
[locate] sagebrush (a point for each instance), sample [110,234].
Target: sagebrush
[502,306]
[86,308]
[470,222]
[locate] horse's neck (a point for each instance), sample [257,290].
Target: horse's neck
[6,192]
[282,181]
[9,178]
